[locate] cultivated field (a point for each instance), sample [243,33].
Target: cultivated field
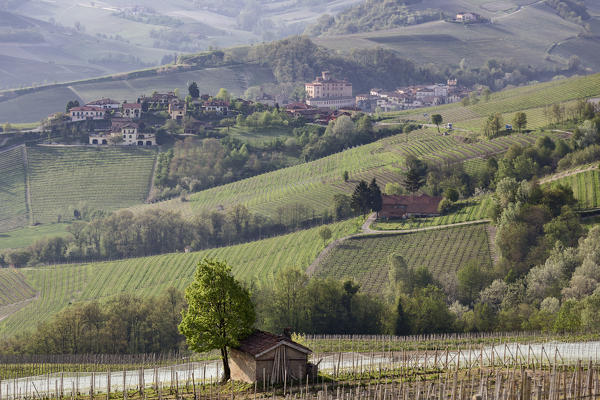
[586,188]
[103,178]
[315,183]
[473,209]
[13,287]
[13,202]
[256,261]
[443,251]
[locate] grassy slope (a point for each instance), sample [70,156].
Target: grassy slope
[255,261]
[103,178]
[23,237]
[365,259]
[13,202]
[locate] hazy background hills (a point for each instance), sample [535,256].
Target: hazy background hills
[48,41]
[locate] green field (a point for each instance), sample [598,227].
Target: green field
[103,178]
[256,261]
[315,183]
[586,188]
[465,211]
[26,236]
[13,202]
[13,287]
[443,251]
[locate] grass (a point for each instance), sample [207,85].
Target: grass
[24,237]
[443,251]
[102,178]
[474,209]
[13,202]
[586,188]
[256,261]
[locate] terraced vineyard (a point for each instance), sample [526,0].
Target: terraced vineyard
[13,287]
[443,251]
[13,202]
[256,261]
[314,184]
[586,188]
[467,210]
[104,178]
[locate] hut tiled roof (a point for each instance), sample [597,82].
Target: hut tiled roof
[259,342]
[422,204]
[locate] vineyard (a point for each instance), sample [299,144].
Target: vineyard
[443,251]
[256,261]
[13,202]
[465,211]
[315,183]
[103,178]
[13,287]
[586,188]
[24,237]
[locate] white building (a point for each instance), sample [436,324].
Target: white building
[86,113]
[326,92]
[127,135]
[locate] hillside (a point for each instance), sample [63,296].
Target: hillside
[13,201]
[256,261]
[530,99]
[63,40]
[365,258]
[527,31]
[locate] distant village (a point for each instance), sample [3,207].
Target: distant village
[123,123]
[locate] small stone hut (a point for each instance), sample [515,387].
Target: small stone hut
[264,355]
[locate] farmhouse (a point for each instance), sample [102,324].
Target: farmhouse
[326,92]
[269,356]
[132,110]
[467,17]
[107,104]
[409,206]
[86,113]
[158,100]
[124,133]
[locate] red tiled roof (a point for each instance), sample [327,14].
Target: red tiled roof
[259,341]
[132,105]
[423,204]
[102,102]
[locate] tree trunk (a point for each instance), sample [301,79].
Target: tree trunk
[226,369]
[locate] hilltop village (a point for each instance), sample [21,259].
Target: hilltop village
[111,122]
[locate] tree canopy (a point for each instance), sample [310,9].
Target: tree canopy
[220,312]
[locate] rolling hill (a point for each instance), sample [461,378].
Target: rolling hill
[13,199]
[256,261]
[529,32]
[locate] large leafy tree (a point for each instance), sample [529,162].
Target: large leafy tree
[520,121]
[219,312]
